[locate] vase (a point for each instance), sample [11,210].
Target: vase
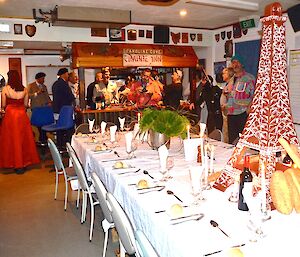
[155,140]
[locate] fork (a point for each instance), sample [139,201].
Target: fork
[127,172]
[193,219]
[150,190]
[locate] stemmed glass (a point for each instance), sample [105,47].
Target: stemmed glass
[130,151]
[165,171]
[196,174]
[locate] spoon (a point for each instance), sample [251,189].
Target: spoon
[147,173]
[216,225]
[169,192]
[116,153]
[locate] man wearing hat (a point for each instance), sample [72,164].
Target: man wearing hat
[38,95]
[37,91]
[239,98]
[62,95]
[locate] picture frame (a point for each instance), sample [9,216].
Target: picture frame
[18,29]
[116,34]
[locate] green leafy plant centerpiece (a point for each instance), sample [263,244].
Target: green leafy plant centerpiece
[169,123]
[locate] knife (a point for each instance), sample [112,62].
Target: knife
[199,217]
[187,216]
[208,254]
[112,160]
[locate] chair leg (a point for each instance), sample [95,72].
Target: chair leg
[66,194]
[82,207]
[122,250]
[78,198]
[56,185]
[92,219]
[105,242]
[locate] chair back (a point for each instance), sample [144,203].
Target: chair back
[41,116]
[58,163]
[101,193]
[79,172]
[83,128]
[217,135]
[122,224]
[65,119]
[144,247]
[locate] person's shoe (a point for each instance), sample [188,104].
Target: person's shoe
[20,171]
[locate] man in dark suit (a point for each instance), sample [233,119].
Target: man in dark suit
[62,95]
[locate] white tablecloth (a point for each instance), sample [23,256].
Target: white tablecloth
[192,238]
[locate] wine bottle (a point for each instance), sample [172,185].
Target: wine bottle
[245,177]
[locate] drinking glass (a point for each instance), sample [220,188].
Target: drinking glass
[165,171]
[196,174]
[134,145]
[96,129]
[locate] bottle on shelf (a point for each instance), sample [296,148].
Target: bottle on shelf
[245,177]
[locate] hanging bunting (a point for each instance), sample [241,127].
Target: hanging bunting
[217,37]
[245,31]
[199,37]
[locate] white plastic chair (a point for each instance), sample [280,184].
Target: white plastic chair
[107,222]
[68,173]
[83,128]
[144,247]
[217,135]
[123,226]
[86,191]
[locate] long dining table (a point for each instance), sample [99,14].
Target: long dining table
[149,209]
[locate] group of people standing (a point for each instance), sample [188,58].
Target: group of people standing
[232,104]
[16,136]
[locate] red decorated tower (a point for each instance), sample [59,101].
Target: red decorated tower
[270,116]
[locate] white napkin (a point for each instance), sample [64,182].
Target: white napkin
[202,129]
[103,126]
[113,130]
[122,122]
[91,125]
[190,147]
[163,156]
[128,141]
[136,130]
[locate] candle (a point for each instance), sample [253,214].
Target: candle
[212,149]
[263,187]
[139,116]
[188,131]
[202,149]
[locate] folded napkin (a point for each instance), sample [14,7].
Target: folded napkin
[163,156]
[103,126]
[191,148]
[122,122]
[113,130]
[202,129]
[128,141]
[91,125]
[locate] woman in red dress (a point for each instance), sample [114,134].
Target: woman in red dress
[18,149]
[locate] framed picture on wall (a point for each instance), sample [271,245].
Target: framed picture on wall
[116,34]
[18,29]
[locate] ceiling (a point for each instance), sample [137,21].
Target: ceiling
[198,16]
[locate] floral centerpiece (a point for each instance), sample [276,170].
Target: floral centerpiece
[166,122]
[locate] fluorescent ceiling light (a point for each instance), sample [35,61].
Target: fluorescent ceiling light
[11,51]
[230,4]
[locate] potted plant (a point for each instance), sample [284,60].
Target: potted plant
[162,125]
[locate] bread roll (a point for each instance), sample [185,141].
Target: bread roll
[79,134]
[119,165]
[235,252]
[98,148]
[142,184]
[176,211]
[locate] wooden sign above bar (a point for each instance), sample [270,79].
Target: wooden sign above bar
[95,55]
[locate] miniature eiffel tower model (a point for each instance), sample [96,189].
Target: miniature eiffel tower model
[270,114]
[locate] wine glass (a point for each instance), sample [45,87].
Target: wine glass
[130,150]
[196,174]
[165,170]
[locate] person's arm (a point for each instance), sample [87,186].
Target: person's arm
[3,99]
[26,98]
